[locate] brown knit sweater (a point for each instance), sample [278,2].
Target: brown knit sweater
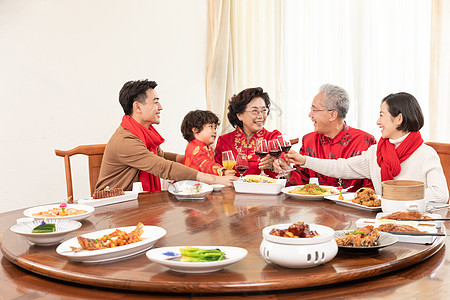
[125,155]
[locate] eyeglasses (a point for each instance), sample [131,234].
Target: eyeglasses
[256,112]
[316,110]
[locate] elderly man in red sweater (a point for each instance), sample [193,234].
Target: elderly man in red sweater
[332,138]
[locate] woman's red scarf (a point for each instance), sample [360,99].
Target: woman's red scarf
[389,158]
[152,139]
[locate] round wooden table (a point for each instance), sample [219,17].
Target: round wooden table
[226,219]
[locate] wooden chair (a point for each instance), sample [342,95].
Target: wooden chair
[443,150]
[294,141]
[95,156]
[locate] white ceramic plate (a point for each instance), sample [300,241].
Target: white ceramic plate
[205,189]
[169,257]
[386,239]
[348,202]
[305,197]
[89,210]
[63,227]
[129,196]
[259,187]
[149,237]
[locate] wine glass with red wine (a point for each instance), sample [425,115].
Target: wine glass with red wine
[285,144]
[261,150]
[241,163]
[275,152]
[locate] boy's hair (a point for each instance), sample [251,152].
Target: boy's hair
[197,119]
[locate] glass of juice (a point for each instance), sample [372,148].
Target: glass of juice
[228,160]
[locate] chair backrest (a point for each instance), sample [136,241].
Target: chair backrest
[95,156]
[443,150]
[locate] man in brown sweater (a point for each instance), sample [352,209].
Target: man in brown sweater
[134,154]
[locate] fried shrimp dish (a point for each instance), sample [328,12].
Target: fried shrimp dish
[366,197]
[312,189]
[297,230]
[114,239]
[401,215]
[362,237]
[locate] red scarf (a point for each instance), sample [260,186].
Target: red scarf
[152,139]
[389,158]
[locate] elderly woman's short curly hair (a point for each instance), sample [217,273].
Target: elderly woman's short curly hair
[238,103]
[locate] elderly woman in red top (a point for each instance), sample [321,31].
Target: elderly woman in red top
[247,112]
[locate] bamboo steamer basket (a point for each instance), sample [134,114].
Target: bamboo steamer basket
[402,190]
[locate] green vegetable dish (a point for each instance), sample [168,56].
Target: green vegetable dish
[191,254]
[44,228]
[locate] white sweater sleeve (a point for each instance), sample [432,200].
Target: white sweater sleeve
[356,167]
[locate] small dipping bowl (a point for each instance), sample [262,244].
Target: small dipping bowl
[217,187]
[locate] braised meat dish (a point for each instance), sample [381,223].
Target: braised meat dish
[297,230]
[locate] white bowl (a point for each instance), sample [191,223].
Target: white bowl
[205,189]
[299,252]
[63,227]
[390,206]
[217,187]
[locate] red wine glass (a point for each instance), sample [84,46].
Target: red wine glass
[241,163]
[261,150]
[275,151]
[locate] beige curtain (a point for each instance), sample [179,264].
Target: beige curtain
[439,100]
[244,52]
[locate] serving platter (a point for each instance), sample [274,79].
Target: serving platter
[169,257]
[33,210]
[287,190]
[431,228]
[385,240]
[348,197]
[149,237]
[129,196]
[259,187]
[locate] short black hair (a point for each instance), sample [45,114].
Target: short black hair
[134,91]
[197,119]
[238,103]
[407,105]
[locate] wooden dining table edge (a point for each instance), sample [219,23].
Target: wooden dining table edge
[255,286]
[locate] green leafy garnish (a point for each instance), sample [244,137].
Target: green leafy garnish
[355,232]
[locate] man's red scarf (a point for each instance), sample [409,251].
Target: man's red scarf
[152,139]
[389,158]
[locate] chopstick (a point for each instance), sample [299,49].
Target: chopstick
[420,220]
[417,233]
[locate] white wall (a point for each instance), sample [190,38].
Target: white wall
[62,64]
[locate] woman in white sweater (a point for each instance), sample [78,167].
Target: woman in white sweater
[400,153]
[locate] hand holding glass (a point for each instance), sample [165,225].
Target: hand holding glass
[285,145]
